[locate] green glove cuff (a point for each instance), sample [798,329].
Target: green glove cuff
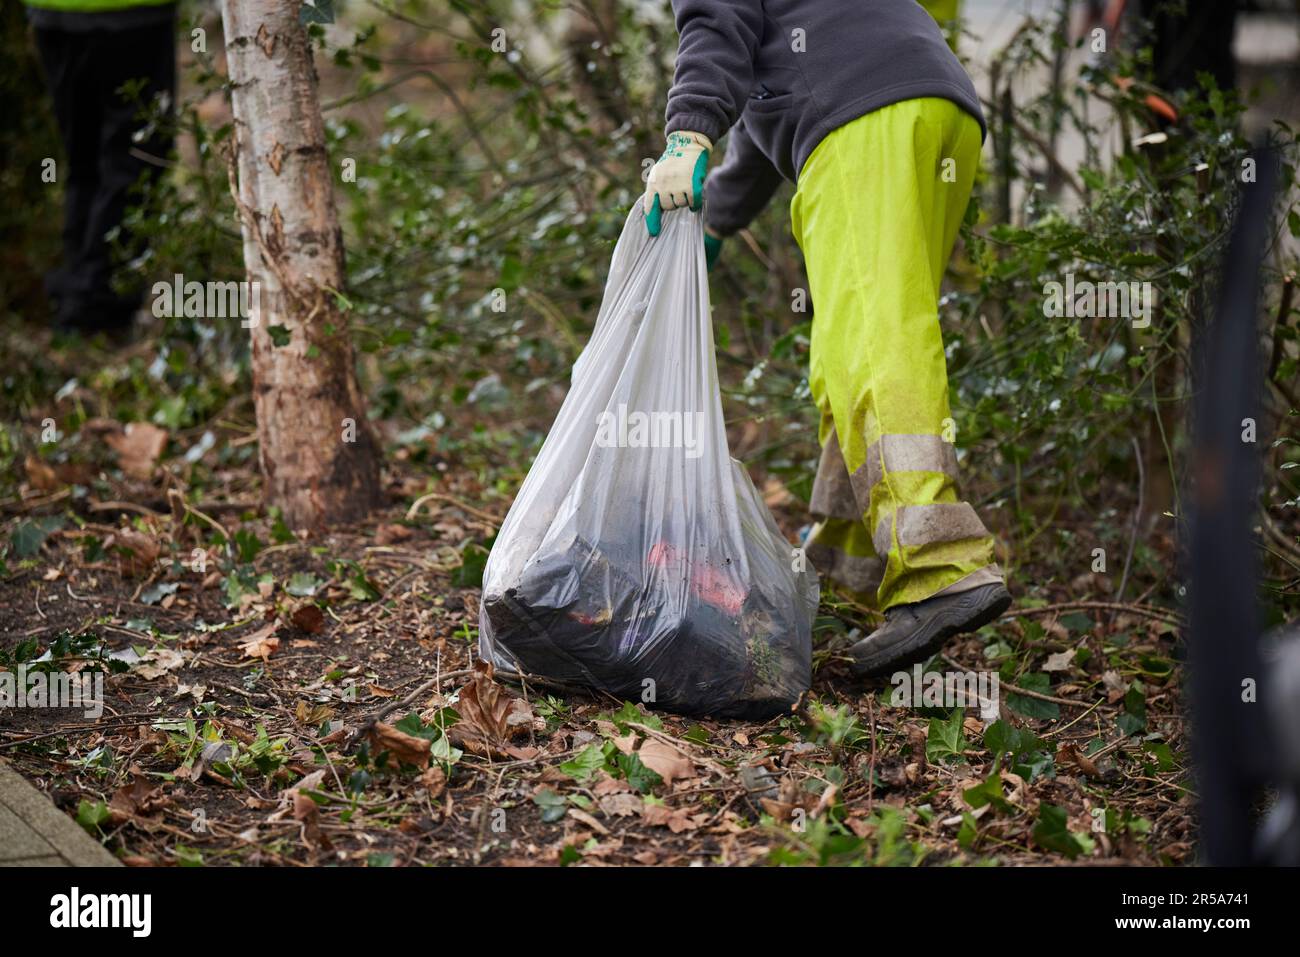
[654,220]
[697,181]
[712,247]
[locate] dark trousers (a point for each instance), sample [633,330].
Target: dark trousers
[86,72]
[1196,41]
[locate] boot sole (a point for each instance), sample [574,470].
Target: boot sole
[957,619]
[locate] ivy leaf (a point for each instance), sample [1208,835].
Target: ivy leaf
[362,588]
[1133,720]
[631,713]
[248,545]
[92,815]
[988,791]
[583,766]
[946,737]
[28,536]
[472,562]
[1034,707]
[1163,754]
[240,582]
[444,752]
[636,773]
[1077,621]
[1052,832]
[553,805]
[968,831]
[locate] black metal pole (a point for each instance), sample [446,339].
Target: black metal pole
[1230,731]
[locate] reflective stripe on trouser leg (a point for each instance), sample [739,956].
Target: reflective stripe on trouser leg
[839,546]
[876,213]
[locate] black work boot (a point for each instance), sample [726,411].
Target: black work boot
[912,633]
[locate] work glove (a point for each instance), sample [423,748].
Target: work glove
[712,247]
[677,180]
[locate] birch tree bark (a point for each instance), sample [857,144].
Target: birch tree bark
[318,456]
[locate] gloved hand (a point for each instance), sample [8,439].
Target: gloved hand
[712,247]
[678,178]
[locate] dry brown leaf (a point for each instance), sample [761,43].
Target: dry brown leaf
[156,662]
[261,643]
[308,812]
[139,798]
[406,748]
[665,760]
[390,533]
[621,804]
[580,815]
[1060,661]
[860,827]
[138,552]
[434,780]
[675,819]
[826,800]
[138,448]
[489,717]
[610,785]
[309,782]
[40,475]
[1072,755]
[778,809]
[308,617]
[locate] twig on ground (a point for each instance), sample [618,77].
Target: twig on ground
[392,706]
[1148,611]
[414,510]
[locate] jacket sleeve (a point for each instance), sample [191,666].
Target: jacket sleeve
[718,42]
[737,191]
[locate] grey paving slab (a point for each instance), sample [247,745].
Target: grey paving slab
[30,821]
[18,840]
[51,861]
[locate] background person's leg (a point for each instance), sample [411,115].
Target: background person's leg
[66,60]
[876,213]
[145,56]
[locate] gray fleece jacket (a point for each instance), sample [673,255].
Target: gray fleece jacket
[781,74]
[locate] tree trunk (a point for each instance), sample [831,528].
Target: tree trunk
[319,458]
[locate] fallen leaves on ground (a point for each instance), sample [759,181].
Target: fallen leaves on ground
[138,447]
[308,617]
[262,643]
[406,748]
[140,798]
[490,718]
[665,760]
[138,551]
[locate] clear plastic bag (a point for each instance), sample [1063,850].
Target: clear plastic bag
[638,558]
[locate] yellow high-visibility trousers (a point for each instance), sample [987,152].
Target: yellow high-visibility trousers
[876,213]
[942,10]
